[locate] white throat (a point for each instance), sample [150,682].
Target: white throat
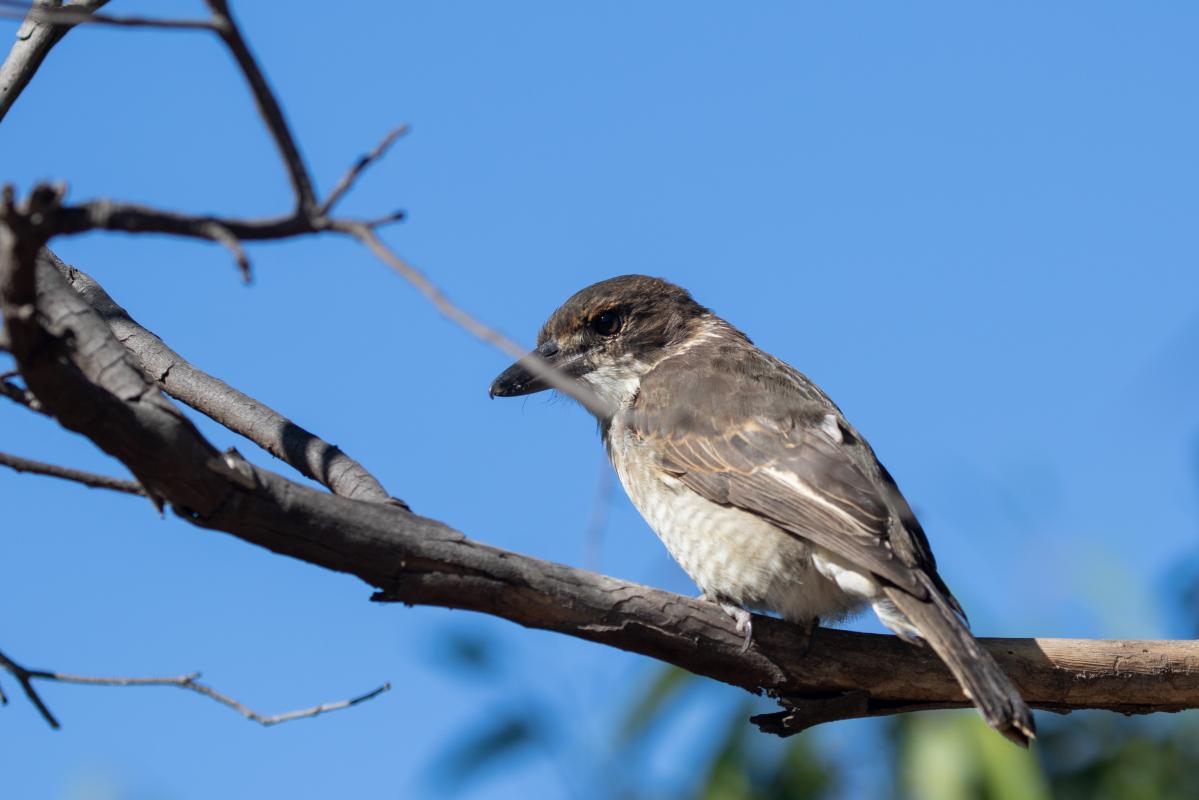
[616,384]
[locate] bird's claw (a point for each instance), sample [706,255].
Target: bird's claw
[744,620]
[746,626]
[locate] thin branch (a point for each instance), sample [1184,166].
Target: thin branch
[76,14]
[20,396]
[347,180]
[67,474]
[311,455]
[537,365]
[189,682]
[35,38]
[286,716]
[109,215]
[24,678]
[268,106]
[219,233]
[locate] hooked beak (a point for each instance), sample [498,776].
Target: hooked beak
[519,380]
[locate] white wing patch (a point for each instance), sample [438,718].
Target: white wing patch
[847,579]
[831,428]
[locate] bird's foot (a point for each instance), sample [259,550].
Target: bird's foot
[743,618]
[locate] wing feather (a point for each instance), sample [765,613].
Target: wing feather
[797,478]
[777,447]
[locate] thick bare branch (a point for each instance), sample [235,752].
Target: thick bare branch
[417,560]
[312,456]
[35,38]
[67,474]
[190,682]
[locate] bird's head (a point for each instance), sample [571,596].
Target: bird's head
[608,335]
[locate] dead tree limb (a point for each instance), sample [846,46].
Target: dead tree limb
[312,456]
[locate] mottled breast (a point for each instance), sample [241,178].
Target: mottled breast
[730,554]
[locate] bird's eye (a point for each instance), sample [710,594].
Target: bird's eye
[606,323]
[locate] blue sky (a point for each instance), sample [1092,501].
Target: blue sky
[972,225]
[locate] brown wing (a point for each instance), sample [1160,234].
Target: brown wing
[762,438]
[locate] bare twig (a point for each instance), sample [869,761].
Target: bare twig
[24,677]
[347,180]
[537,365]
[189,682]
[286,716]
[268,106]
[35,38]
[77,13]
[20,396]
[67,474]
[219,233]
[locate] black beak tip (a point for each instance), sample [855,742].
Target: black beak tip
[514,382]
[518,380]
[502,387]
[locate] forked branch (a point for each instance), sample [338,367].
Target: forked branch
[190,682]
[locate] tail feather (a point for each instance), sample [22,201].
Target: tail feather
[980,677]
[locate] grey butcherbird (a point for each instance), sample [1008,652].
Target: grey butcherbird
[752,478]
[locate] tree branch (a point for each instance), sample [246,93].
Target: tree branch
[347,181]
[312,456]
[268,107]
[78,13]
[20,396]
[417,560]
[307,218]
[190,682]
[35,38]
[66,473]
[92,384]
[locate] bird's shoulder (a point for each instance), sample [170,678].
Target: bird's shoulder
[722,382]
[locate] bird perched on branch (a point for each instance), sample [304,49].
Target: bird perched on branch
[752,478]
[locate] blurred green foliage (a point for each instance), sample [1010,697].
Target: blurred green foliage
[743,764]
[1084,756]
